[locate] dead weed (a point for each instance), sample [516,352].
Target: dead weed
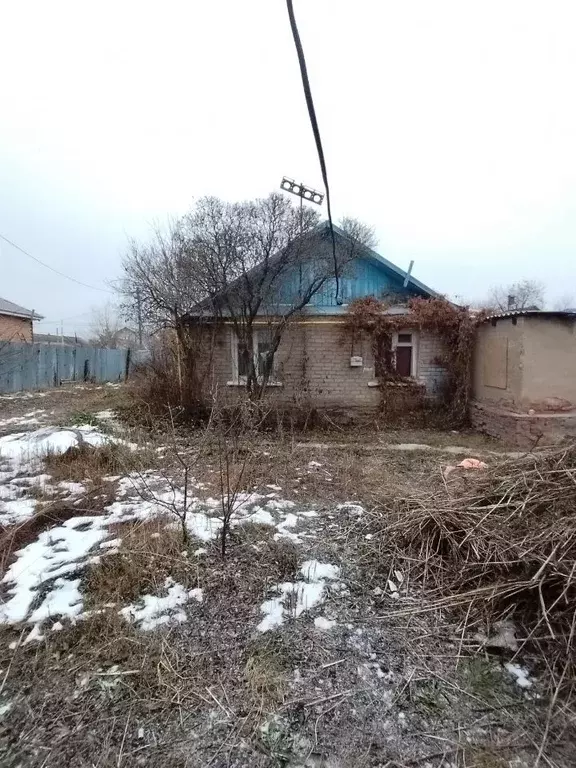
[150,552]
[86,461]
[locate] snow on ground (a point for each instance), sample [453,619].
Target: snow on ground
[27,446]
[21,466]
[152,611]
[294,598]
[104,415]
[27,419]
[520,673]
[43,584]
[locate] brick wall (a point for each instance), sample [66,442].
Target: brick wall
[430,349]
[15,328]
[313,366]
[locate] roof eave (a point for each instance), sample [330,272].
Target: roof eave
[23,315]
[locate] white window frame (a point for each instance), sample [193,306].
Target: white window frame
[240,381]
[413,343]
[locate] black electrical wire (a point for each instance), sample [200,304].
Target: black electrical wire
[315,130]
[53,269]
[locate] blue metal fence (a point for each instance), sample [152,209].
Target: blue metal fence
[40,366]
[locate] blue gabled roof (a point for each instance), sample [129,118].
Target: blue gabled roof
[369,274]
[370,253]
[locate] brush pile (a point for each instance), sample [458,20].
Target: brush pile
[501,544]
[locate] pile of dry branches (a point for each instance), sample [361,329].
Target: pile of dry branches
[500,544]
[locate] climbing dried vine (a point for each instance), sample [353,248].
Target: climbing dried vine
[453,325]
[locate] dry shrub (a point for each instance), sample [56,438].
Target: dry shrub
[171,380]
[149,553]
[86,461]
[500,544]
[452,324]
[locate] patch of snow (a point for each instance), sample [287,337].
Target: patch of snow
[53,553]
[290,521]
[314,464]
[16,511]
[279,505]
[153,611]
[64,599]
[74,489]
[21,421]
[294,598]
[321,622]
[200,551]
[203,527]
[24,446]
[520,673]
[33,635]
[107,414]
[260,516]
[5,708]
[312,570]
[111,544]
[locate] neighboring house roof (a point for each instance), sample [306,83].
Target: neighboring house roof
[54,338]
[543,313]
[373,276]
[15,310]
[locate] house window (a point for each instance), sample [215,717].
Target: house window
[263,351]
[241,356]
[404,345]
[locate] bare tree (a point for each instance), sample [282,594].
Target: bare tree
[159,288]
[236,262]
[564,302]
[264,259]
[105,326]
[159,284]
[524,294]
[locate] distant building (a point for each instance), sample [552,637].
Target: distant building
[16,322]
[127,337]
[63,341]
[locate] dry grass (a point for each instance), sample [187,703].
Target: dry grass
[85,461]
[266,672]
[150,552]
[499,543]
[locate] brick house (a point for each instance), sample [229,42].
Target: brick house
[16,323]
[317,362]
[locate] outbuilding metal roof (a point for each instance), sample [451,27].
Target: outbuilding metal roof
[543,313]
[15,310]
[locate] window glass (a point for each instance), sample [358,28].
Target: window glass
[404,338]
[242,360]
[263,352]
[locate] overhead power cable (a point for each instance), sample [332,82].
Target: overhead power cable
[52,269]
[315,130]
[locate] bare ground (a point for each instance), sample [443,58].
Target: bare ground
[388,684]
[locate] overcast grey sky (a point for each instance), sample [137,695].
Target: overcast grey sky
[448,125]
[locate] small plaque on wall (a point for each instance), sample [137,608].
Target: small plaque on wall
[356,361]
